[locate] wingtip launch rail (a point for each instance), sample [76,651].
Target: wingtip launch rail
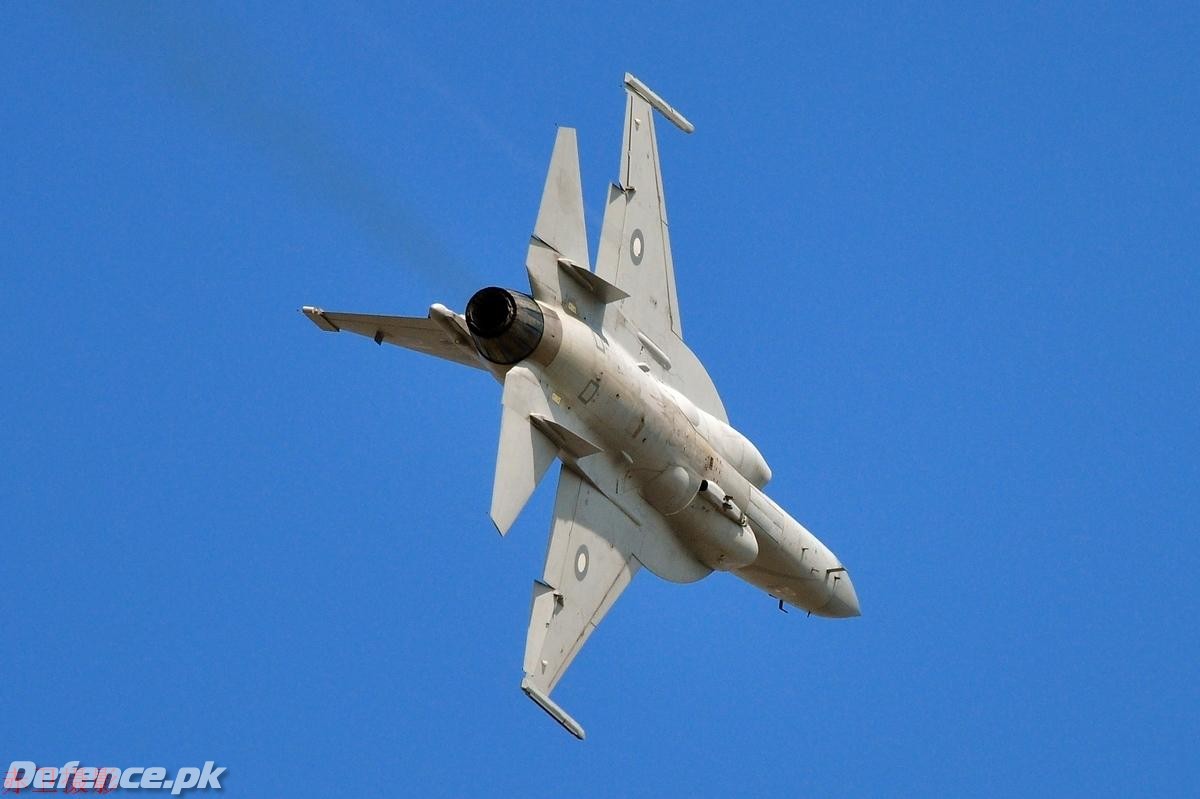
[664,108]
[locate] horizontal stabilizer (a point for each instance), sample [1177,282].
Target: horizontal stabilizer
[524,454]
[560,222]
[560,217]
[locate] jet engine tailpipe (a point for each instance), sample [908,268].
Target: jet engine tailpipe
[505,325]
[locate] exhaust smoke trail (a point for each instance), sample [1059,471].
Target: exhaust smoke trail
[208,64]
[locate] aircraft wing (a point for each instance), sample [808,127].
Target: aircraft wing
[635,248]
[635,254]
[589,563]
[442,334]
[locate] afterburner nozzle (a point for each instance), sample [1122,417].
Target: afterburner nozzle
[505,325]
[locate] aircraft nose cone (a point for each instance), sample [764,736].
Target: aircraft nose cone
[844,602]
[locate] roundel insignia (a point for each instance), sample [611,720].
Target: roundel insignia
[637,247]
[581,562]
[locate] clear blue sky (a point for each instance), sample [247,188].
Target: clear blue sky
[941,261]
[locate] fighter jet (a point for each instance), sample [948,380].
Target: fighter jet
[596,375]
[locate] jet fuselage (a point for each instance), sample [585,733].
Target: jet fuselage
[715,510]
[597,375]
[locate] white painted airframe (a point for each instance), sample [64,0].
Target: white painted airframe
[596,374]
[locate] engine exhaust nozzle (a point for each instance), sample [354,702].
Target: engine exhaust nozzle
[505,325]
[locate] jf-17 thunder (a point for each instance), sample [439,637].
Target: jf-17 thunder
[596,375]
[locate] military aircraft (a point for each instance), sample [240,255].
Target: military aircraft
[596,374]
